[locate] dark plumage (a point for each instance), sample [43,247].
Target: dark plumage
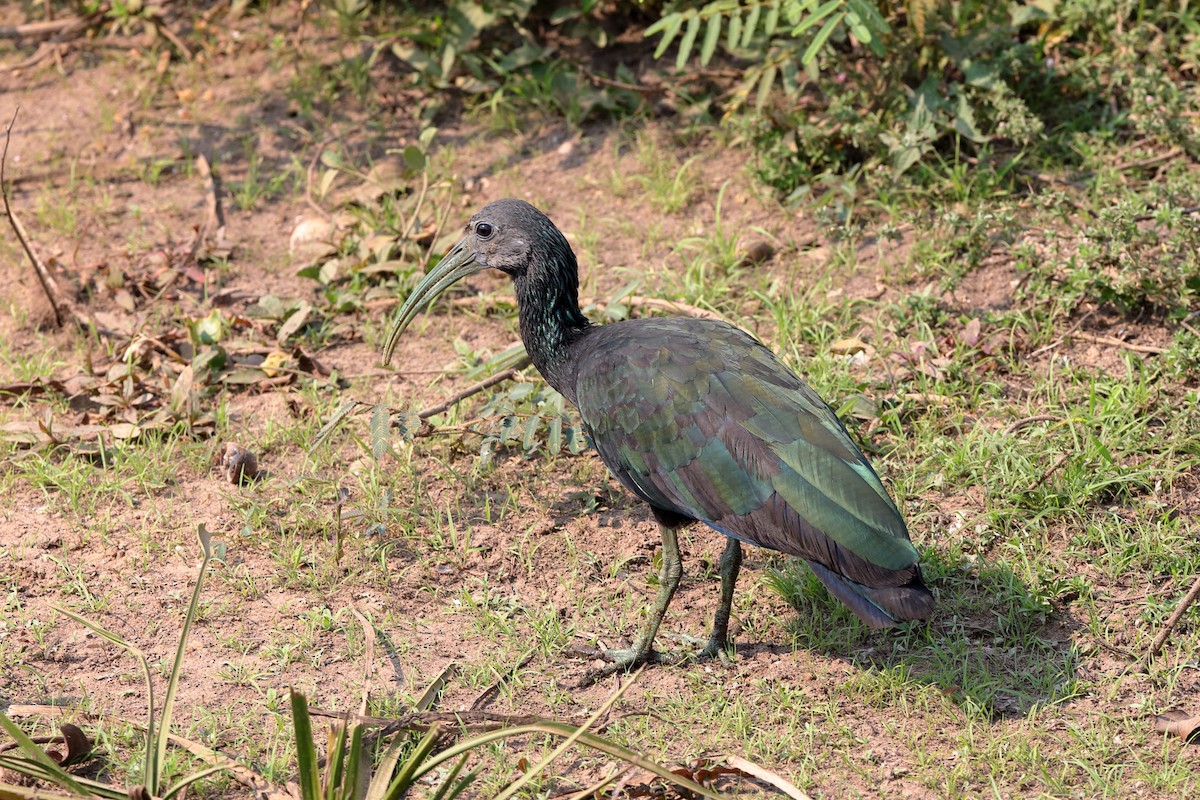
[702,422]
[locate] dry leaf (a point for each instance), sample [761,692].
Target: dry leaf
[848,347]
[1178,723]
[970,334]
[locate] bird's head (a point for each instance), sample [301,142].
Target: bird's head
[503,235]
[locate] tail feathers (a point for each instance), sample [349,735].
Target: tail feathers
[879,608]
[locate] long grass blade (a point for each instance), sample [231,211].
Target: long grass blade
[190,779]
[306,749]
[151,728]
[409,770]
[540,767]
[160,737]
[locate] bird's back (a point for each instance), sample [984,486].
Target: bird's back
[698,418]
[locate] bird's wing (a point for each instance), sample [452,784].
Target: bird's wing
[699,418]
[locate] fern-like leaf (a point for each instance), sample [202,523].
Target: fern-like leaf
[822,36]
[381,431]
[712,35]
[751,24]
[688,41]
[733,32]
[772,20]
[670,25]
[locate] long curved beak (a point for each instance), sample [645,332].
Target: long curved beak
[454,266]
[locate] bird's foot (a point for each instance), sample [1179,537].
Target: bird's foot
[621,660]
[714,647]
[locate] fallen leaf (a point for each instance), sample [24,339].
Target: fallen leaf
[848,347]
[970,334]
[1178,723]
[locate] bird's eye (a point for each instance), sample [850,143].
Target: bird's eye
[485,230]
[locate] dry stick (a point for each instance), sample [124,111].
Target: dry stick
[1171,622]
[1046,475]
[214,219]
[44,277]
[163,30]
[1184,211]
[423,720]
[1026,421]
[499,377]
[1115,342]
[35,29]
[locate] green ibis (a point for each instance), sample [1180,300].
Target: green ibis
[704,423]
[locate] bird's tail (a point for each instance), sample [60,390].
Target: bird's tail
[878,607]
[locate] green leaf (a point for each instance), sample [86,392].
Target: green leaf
[733,33]
[688,41]
[772,19]
[164,726]
[764,86]
[671,23]
[414,158]
[819,40]
[306,750]
[712,34]
[964,121]
[815,17]
[751,24]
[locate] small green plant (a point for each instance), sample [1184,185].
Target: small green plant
[35,763]
[410,762]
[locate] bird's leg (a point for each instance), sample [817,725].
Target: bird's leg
[728,567]
[643,647]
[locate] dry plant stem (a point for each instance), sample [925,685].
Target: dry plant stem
[1172,621]
[1025,421]
[499,377]
[33,30]
[424,720]
[1115,342]
[44,277]
[214,218]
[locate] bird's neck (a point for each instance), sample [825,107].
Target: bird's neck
[551,322]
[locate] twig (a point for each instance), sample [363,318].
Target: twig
[1026,421]
[499,377]
[1184,211]
[489,694]
[33,30]
[630,300]
[628,87]
[1149,162]
[1172,621]
[44,278]
[214,219]
[1059,340]
[1046,475]
[1115,342]
[424,720]
[664,305]
[165,31]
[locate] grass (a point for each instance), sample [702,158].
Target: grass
[1047,477]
